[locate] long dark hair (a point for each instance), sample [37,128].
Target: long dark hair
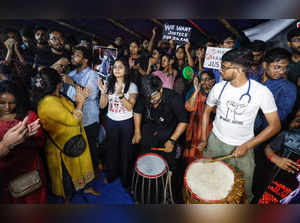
[20,97]
[45,83]
[176,60]
[161,56]
[112,79]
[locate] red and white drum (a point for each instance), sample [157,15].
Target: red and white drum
[212,183]
[149,179]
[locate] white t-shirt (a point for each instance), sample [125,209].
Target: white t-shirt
[116,110]
[236,110]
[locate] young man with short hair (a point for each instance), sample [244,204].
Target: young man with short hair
[256,70]
[164,119]
[238,101]
[46,58]
[275,65]
[85,76]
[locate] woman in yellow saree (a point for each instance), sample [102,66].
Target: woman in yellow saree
[61,119]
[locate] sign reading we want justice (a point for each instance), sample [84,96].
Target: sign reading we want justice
[180,34]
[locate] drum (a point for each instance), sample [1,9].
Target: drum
[150,179]
[212,183]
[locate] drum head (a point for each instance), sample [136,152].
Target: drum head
[151,165]
[210,182]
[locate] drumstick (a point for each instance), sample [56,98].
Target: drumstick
[222,158]
[159,149]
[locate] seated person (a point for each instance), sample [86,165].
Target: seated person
[286,139]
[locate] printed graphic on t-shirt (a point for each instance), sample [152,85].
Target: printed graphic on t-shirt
[115,105]
[235,110]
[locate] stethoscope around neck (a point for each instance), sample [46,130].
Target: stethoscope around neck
[243,95]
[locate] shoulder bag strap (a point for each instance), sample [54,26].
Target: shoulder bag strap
[54,142]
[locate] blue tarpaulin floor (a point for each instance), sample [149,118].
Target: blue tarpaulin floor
[112,193]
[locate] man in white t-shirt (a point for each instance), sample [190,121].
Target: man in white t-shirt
[238,101]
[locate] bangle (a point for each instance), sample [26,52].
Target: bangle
[78,110]
[172,141]
[270,157]
[73,84]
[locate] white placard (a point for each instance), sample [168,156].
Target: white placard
[213,57]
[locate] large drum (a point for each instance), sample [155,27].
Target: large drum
[212,183]
[151,179]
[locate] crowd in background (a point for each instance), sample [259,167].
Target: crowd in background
[49,93]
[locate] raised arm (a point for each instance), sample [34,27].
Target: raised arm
[151,43]
[188,54]
[191,104]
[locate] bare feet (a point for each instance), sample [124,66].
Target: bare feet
[105,180]
[92,191]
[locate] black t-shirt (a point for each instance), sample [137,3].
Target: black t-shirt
[168,114]
[29,54]
[135,75]
[46,58]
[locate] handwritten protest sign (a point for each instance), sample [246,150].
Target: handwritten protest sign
[213,57]
[180,34]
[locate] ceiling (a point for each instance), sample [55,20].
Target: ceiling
[106,29]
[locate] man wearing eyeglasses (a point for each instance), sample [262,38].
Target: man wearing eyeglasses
[56,51]
[164,119]
[238,100]
[275,66]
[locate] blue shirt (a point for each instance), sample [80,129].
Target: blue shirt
[255,74]
[87,77]
[284,93]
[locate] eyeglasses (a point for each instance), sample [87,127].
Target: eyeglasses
[226,68]
[205,79]
[279,68]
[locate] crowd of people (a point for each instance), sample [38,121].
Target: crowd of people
[53,101]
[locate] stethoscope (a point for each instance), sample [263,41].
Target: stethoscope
[243,95]
[246,94]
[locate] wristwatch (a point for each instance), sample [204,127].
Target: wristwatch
[172,141]
[122,96]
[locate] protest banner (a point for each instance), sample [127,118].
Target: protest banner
[180,34]
[213,57]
